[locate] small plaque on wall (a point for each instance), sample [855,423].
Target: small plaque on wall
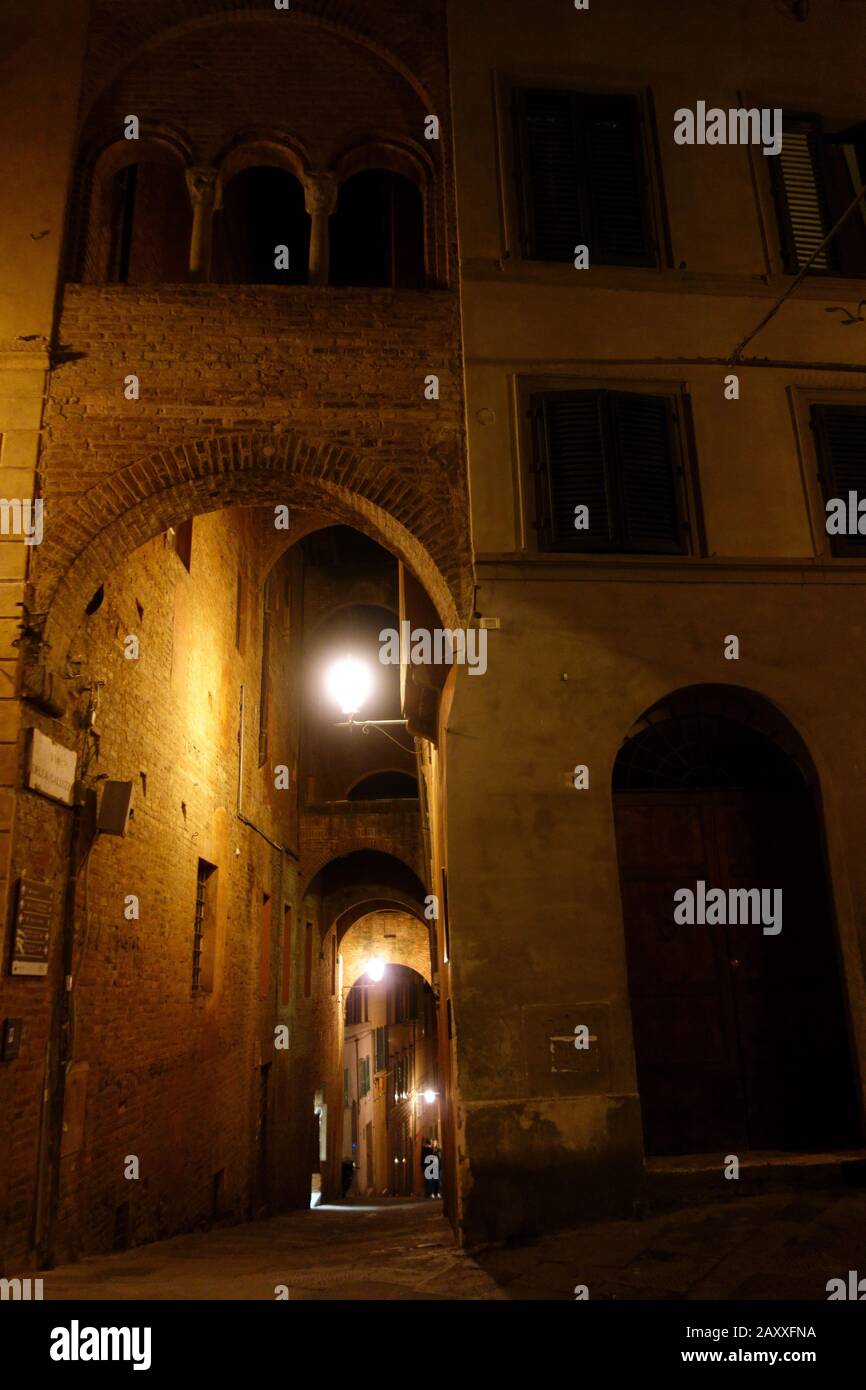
[51,768]
[32,927]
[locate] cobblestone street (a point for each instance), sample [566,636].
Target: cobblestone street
[783,1246]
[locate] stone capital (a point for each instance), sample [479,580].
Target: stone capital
[204,187]
[320,193]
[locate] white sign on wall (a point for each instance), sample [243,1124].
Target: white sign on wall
[51,768]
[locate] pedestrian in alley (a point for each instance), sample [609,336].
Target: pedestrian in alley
[428,1168]
[436,1154]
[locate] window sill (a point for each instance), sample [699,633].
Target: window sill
[673,569]
[658,280]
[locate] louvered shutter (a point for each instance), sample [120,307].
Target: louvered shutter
[571,470]
[641,429]
[840,432]
[582,176]
[617,182]
[613,452]
[843,178]
[798,186]
[553,216]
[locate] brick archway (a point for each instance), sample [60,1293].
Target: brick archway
[88,539]
[398,938]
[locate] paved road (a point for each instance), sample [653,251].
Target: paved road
[783,1246]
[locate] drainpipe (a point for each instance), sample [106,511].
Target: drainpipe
[245,820]
[58,1051]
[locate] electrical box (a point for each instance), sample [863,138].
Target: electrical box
[114,808]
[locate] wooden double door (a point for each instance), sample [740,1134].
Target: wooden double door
[740,1037]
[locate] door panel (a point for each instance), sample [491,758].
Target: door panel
[788,999]
[682,1005]
[740,1037]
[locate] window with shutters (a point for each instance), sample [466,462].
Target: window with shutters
[814,179]
[608,472]
[840,435]
[204,929]
[583,178]
[364,1076]
[382,1048]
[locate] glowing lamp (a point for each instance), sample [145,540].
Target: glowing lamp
[348,682]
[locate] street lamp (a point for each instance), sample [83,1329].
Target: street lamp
[375,968]
[349,682]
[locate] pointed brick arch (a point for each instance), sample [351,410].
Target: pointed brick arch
[88,539]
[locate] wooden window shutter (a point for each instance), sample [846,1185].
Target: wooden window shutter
[797,174]
[642,430]
[571,470]
[620,232]
[553,221]
[840,433]
[583,178]
[612,452]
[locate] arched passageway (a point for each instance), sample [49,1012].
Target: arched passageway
[738,1010]
[378,1076]
[391,1113]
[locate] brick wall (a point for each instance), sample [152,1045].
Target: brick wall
[313,397]
[249,397]
[170,1075]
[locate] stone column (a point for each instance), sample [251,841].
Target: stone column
[320,200]
[205,194]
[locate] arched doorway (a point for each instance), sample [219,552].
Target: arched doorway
[738,1012]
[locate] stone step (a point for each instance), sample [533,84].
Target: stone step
[684,1180]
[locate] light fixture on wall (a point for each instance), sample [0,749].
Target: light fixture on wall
[375,969]
[349,682]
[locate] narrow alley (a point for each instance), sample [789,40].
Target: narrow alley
[767,1247]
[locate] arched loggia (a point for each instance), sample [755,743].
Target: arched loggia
[262,230]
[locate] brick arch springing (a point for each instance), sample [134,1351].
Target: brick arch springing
[95,535]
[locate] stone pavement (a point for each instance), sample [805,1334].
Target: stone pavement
[780,1246]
